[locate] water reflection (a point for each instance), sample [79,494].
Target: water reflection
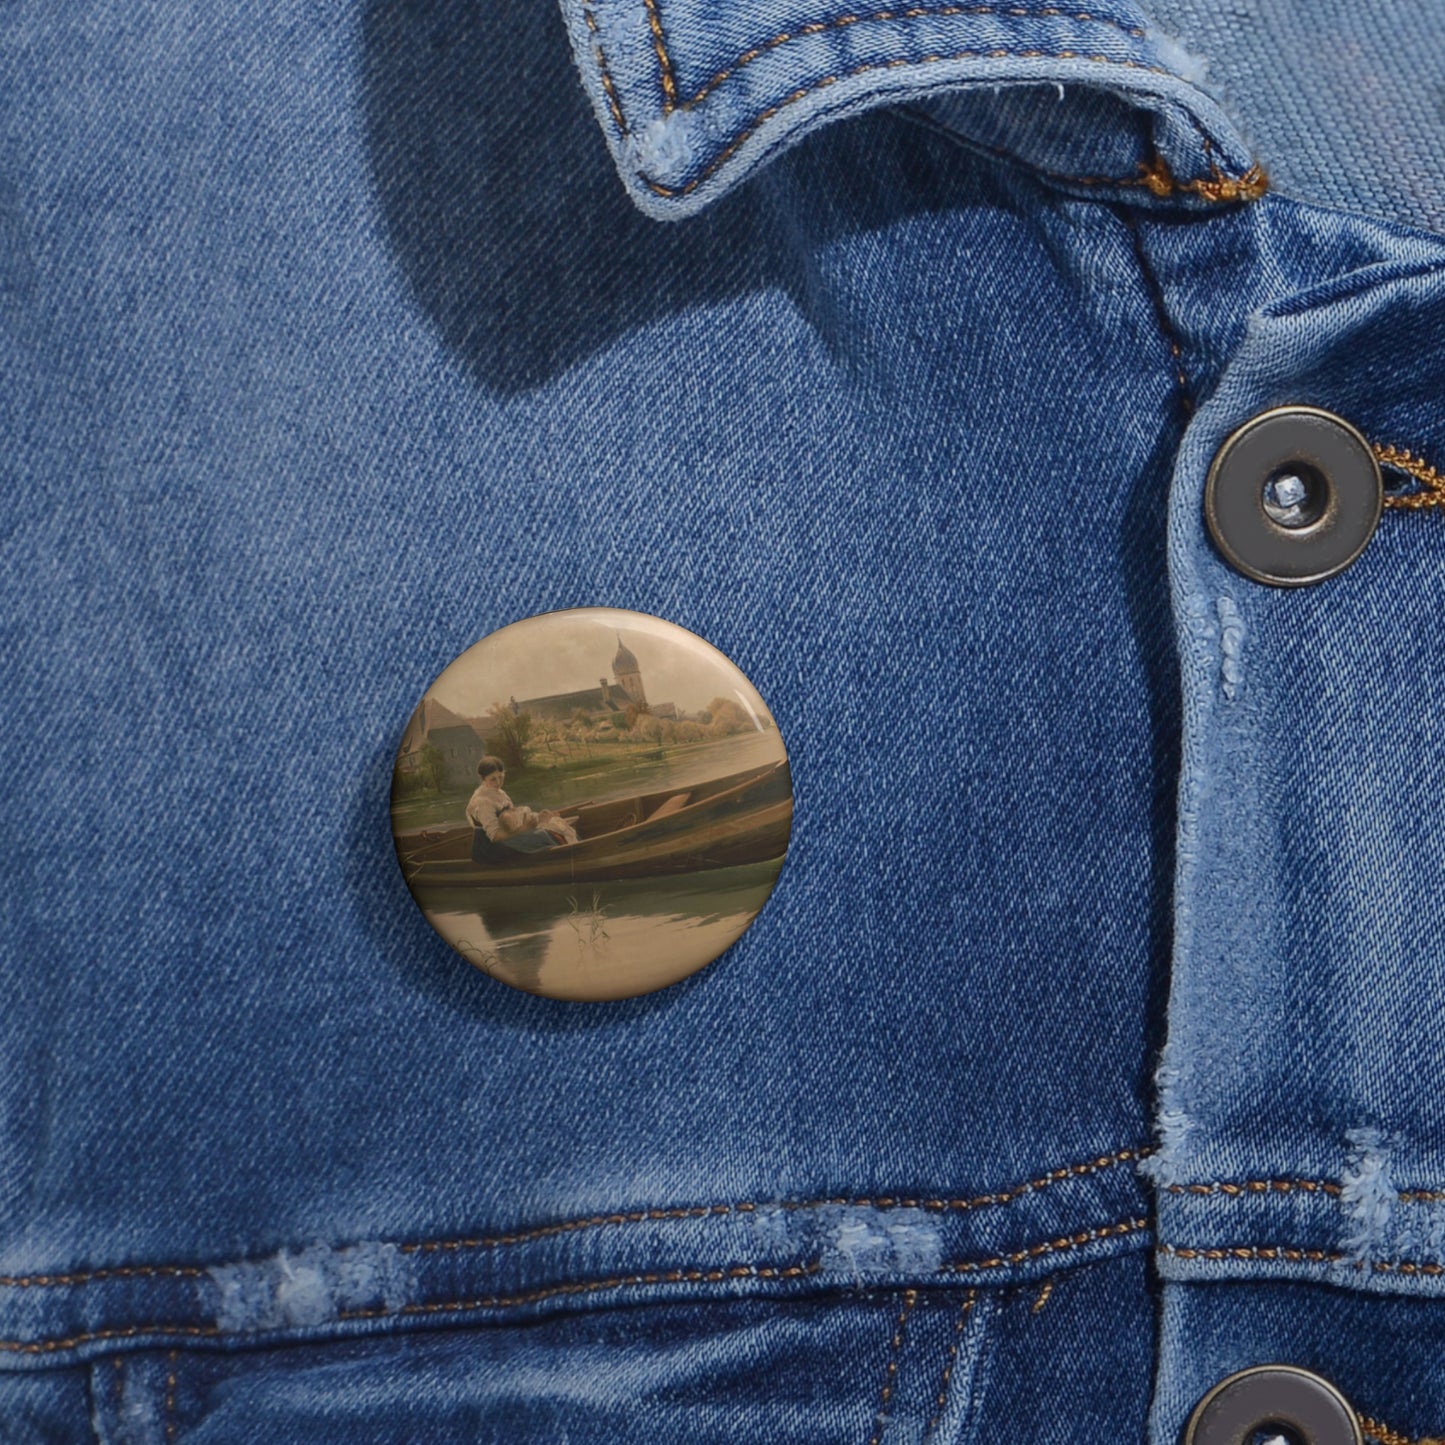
[602,940]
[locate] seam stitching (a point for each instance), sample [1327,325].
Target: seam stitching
[579,1287]
[941,1402]
[1052,1246]
[664,60]
[890,1375]
[169,1410]
[1433,496]
[1235,1189]
[1381,1432]
[614,104]
[124,1271]
[1153,175]
[912,12]
[1296,1255]
[1218,187]
[997,1198]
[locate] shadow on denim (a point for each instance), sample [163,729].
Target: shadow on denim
[506,215]
[402,936]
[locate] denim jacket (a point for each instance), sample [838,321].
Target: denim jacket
[895,367]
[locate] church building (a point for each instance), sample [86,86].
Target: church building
[462,741]
[625,690]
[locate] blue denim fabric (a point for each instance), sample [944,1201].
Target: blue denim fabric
[312,317]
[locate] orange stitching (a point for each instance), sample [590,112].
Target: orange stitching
[125,1271]
[664,60]
[1146,177]
[168,1414]
[1432,496]
[1259,1186]
[1386,1436]
[1382,1433]
[636,1216]
[1235,1190]
[129,1332]
[914,12]
[910,1298]
[1156,176]
[1143,179]
[671,1276]
[613,102]
[1254,1251]
[1044,1295]
[942,1401]
[1219,188]
[1407,1266]
[764,116]
[1296,1256]
[887,1201]
[1053,1246]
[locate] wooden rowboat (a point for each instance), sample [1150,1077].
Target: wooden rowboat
[723,823]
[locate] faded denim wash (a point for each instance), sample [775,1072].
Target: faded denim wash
[1090,1045]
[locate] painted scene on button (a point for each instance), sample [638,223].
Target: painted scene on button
[591,804]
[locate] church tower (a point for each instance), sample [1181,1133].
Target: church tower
[628,674]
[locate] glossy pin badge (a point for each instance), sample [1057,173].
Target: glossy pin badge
[591,804]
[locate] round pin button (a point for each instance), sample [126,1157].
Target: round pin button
[591,804]
[1293,496]
[1273,1399]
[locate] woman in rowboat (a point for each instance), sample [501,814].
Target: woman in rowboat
[501,829]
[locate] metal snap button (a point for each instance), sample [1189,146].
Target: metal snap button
[591,804]
[1293,496]
[1279,1399]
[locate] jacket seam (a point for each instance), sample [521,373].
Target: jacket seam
[1153,175]
[1051,1246]
[763,116]
[1218,187]
[1296,1254]
[168,1408]
[995,1199]
[671,103]
[614,103]
[890,1374]
[950,1362]
[566,1289]
[1236,1189]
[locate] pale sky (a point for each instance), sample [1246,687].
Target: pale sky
[568,651]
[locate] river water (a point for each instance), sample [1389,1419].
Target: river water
[602,940]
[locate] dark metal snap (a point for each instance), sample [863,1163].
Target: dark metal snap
[1281,1399]
[1293,496]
